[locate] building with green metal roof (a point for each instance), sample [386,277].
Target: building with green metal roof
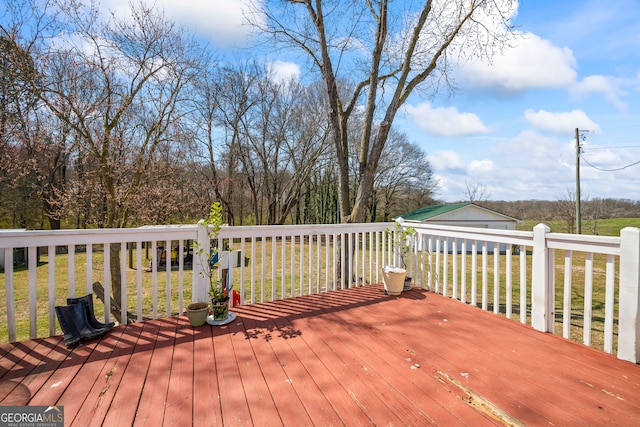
[461,214]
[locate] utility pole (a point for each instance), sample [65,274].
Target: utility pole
[578,215]
[578,152]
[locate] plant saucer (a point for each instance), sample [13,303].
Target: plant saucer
[230,318]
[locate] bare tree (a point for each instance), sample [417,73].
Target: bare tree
[267,133]
[226,105]
[566,209]
[476,192]
[404,180]
[374,55]
[117,86]
[33,143]
[119,89]
[285,132]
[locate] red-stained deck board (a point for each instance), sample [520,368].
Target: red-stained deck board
[234,405]
[315,403]
[359,398]
[256,390]
[502,378]
[33,370]
[179,404]
[542,377]
[391,369]
[12,361]
[100,397]
[127,394]
[206,404]
[457,358]
[156,386]
[84,390]
[291,410]
[498,380]
[63,374]
[349,357]
[541,373]
[354,372]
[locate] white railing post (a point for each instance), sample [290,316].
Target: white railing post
[201,271]
[8,292]
[542,311]
[629,314]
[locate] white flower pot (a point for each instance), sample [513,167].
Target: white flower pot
[393,278]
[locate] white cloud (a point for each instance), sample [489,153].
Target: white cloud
[445,121]
[532,64]
[480,167]
[284,71]
[531,165]
[560,122]
[223,21]
[446,160]
[609,87]
[527,166]
[530,151]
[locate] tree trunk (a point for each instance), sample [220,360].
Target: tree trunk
[116,278]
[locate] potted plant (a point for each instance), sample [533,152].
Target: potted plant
[395,276]
[219,301]
[218,294]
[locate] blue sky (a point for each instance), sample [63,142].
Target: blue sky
[510,127]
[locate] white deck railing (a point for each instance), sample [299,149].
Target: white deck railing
[283,261]
[533,277]
[518,272]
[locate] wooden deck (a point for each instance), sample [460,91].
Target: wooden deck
[351,357]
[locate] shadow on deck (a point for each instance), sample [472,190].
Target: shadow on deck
[348,357]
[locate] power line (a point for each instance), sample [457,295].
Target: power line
[608,170]
[580,134]
[592,147]
[623,127]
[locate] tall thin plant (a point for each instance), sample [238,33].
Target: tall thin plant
[213,223]
[400,237]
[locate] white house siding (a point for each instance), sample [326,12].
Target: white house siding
[473,216]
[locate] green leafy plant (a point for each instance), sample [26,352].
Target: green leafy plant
[213,223]
[217,292]
[400,238]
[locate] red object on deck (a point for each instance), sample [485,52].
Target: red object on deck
[235,298]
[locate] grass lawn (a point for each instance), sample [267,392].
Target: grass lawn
[602,227]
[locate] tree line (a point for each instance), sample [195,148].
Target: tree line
[109,122]
[564,210]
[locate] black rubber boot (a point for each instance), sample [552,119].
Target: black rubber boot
[66,318]
[87,301]
[76,323]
